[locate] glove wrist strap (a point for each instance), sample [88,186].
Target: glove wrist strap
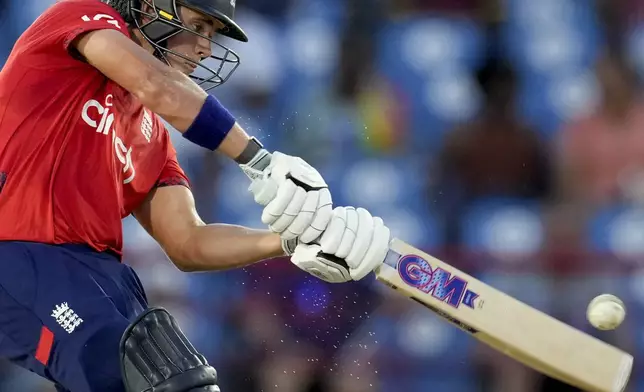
[250,152]
[254,159]
[289,246]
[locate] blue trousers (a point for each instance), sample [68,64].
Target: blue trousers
[63,310]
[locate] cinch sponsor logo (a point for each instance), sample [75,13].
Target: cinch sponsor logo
[417,272]
[99,117]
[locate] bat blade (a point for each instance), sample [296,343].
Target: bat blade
[512,327]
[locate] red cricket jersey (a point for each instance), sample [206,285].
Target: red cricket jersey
[77,152]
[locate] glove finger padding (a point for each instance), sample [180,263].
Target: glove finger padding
[292,211]
[321,218]
[332,236]
[328,268]
[364,234]
[304,218]
[349,234]
[278,205]
[376,252]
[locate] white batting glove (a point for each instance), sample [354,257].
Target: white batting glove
[296,199]
[352,246]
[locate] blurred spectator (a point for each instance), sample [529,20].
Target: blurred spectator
[619,15]
[357,48]
[601,156]
[495,155]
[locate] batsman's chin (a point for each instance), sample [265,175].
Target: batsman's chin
[184,67]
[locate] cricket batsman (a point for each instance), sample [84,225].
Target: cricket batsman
[82,146]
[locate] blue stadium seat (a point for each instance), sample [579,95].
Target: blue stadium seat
[618,230]
[553,44]
[375,182]
[552,34]
[548,102]
[392,189]
[429,60]
[503,228]
[416,46]
[311,35]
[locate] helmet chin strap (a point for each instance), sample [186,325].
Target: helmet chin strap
[158,53]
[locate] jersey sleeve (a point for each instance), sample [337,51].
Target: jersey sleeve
[66,20]
[172,173]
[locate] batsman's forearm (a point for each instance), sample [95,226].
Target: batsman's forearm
[220,246]
[173,96]
[160,88]
[180,105]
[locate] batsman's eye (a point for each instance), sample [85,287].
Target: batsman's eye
[202,29]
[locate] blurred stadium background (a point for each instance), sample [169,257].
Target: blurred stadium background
[506,136]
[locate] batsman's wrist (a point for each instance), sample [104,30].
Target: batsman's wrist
[274,245]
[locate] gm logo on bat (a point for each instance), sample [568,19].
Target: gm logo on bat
[418,273]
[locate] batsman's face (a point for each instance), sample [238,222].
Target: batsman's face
[193,46]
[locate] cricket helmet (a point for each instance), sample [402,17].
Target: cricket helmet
[162,20]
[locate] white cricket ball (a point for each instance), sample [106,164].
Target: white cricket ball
[606,312]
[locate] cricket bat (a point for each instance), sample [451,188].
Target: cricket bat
[504,323]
